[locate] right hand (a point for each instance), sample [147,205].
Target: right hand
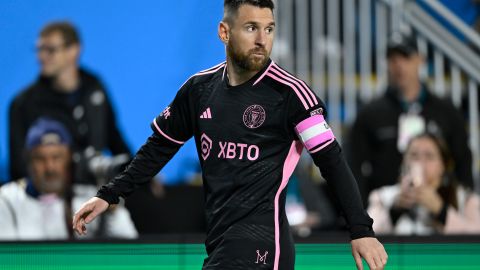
[88,212]
[371,250]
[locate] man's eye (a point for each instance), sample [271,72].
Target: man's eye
[250,28]
[269,30]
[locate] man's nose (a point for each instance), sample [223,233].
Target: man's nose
[261,38]
[50,165]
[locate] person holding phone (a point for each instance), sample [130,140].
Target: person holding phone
[427,199]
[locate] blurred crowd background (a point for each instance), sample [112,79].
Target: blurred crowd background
[80,82]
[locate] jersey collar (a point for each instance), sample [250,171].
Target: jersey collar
[252,81]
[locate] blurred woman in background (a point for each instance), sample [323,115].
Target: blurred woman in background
[427,199]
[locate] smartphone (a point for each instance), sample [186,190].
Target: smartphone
[412,175]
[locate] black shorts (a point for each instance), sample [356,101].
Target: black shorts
[252,246]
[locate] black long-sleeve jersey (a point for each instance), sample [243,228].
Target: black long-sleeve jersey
[249,139]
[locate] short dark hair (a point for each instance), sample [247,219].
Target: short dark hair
[231,7]
[66,29]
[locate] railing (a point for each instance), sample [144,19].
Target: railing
[340,49]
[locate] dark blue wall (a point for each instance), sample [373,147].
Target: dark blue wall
[143,50]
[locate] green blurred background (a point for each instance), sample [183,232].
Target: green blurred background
[138,256]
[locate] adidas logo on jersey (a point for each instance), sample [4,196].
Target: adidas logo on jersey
[207,114]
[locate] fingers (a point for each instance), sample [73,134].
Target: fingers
[96,211]
[376,261]
[403,203]
[79,220]
[87,213]
[76,218]
[371,262]
[358,260]
[79,226]
[82,229]
[380,259]
[383,255]
[407,200]
[371,250]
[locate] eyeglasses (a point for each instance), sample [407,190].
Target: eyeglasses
[49,49]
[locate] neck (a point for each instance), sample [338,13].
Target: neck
[68,80]
[237,75]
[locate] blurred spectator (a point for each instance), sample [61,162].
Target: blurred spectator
[70,94]
[40,206]
[427,199]
[383,127]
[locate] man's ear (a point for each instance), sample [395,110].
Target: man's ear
[223,32]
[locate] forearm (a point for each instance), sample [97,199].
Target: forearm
[340,178]
[148,161]
[356,153]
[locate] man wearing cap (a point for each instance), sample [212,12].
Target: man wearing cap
[39,206]
[407,108]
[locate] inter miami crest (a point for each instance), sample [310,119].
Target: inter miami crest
[254,116]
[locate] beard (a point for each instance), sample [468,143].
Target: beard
[247,61]
[53,186]
[51,182]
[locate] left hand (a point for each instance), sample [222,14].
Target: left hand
[371,250]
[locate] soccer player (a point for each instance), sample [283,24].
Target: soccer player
[250,120]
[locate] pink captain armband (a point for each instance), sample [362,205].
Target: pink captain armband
[315,133]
